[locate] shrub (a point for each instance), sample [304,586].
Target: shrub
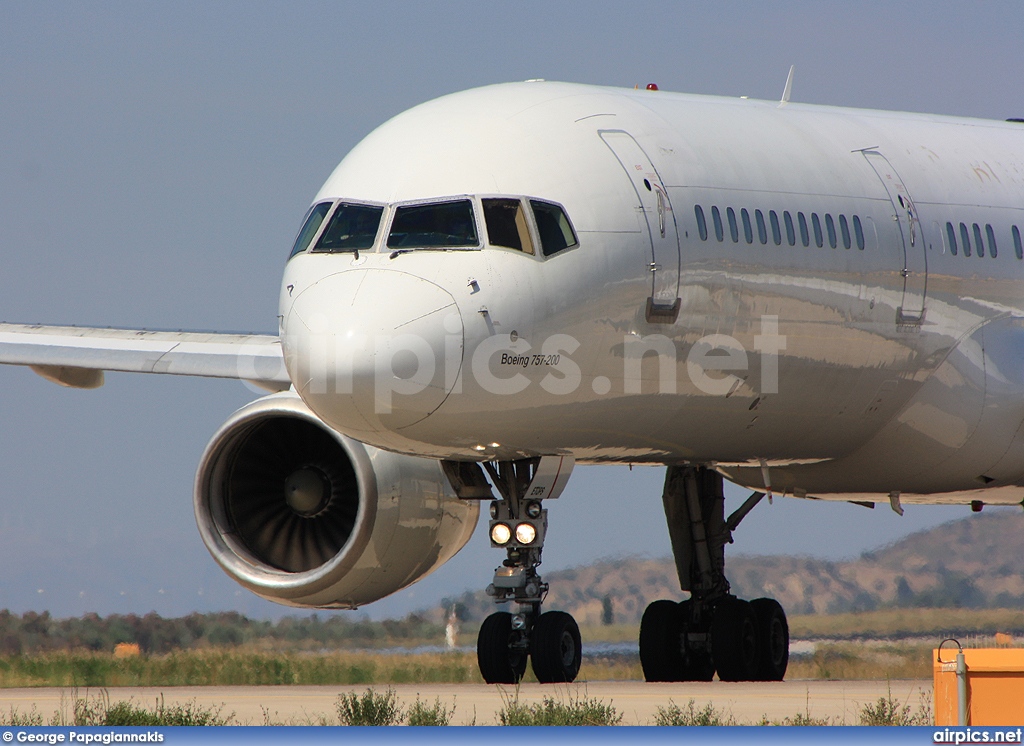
[15,718]
[98,711]
[423,714]
[690,715]
[369,708]
[890,711]
[550,711]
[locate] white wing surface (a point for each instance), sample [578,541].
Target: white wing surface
[77,356]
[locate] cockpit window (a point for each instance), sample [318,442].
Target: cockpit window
[351,228]
[439,224]
[554,228]
[310,226]
[506,224]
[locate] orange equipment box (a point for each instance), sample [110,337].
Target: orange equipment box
[995,686]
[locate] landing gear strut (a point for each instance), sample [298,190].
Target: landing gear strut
[518,524]
[712,630]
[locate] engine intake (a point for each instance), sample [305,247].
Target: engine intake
[304,516]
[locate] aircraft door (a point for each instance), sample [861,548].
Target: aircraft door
[908,223]
[653,202]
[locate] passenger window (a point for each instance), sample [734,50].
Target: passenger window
[506,224]
[734,230]
[310,225]
[978,242]
[702,226]
[351,228]
[816,223]
[951,238]
[1017,247]
[776,231]
[762,230]
[844,228]
[965,238]
[790,232]
[553,226]
[858,232]
[440,224]
[830,226]
[716,218]
[748,231]
[801,220]
[992,250]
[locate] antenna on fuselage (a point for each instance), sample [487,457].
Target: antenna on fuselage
[789,87]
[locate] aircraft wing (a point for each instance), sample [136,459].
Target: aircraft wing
[77,356]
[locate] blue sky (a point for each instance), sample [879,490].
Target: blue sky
[156,159]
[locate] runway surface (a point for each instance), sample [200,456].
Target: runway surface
[638,702]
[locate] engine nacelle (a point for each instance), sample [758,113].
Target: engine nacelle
[304,516]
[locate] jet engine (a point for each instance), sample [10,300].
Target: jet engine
[304,516]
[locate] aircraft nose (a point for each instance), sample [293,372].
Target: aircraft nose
[373,350]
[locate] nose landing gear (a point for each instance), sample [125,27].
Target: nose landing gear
[712,630]
[551,640]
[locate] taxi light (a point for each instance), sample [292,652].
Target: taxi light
[500,533]
[525,533]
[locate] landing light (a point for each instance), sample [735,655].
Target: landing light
[500,533]
[525,533]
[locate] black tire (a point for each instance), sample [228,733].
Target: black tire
[734,641]
[499,661]
[697,665]
[555,648]
[773,639]
[661,642]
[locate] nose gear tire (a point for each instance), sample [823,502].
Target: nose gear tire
[555,648]
[500,660]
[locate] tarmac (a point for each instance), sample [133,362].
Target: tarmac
[638,702]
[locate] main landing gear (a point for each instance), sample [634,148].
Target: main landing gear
[712,630]
[551,640]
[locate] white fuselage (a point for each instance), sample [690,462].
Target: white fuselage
[893,365]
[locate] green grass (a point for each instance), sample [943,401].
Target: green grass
[897,623]
[842,660]
[850,661]
[235,668]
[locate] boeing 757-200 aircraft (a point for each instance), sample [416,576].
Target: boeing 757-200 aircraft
[809,301]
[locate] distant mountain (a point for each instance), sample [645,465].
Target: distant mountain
[976,562]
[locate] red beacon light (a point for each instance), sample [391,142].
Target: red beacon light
[652,86]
